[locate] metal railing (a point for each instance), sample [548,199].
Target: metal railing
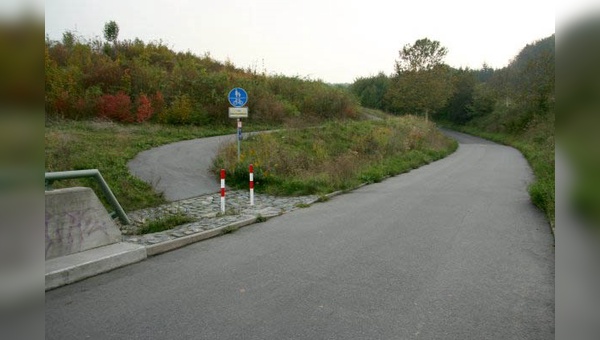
[94,173]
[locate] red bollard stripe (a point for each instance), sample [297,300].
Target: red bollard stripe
[222,182]
[251,176]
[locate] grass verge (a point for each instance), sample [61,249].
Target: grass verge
[335,156]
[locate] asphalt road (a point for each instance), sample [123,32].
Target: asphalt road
[180,170]
[452,250]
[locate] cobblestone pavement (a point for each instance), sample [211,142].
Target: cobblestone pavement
[206,211]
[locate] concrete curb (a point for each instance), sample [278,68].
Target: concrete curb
[164,247]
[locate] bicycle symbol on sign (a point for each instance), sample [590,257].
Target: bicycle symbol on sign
[238,97]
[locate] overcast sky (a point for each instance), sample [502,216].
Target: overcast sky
[335,41]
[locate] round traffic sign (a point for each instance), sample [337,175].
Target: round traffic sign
[238,97]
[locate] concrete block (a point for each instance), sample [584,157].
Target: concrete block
[71,268]
[77,221]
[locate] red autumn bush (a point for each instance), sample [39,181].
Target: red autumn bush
[115,107]
[144,109]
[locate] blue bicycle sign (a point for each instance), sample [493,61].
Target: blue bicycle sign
[238,97]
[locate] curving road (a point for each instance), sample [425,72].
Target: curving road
[452,250]
[180,170]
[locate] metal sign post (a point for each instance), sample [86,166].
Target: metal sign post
[238,97]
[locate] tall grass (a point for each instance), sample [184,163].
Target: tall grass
[335,156]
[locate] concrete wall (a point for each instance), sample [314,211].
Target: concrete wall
[76,221]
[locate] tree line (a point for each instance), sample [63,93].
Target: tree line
[501,100]
[133,81]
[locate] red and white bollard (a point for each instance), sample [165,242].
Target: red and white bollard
[223,190]
[251,168]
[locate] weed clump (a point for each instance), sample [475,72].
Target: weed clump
[164,223]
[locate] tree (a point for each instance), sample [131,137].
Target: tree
[485,73]
[533,79]
[422,83]
[458,109]
[423,55]
[68,39]
[111,31]
[371,90]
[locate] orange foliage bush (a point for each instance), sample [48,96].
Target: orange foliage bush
[144,109]
[115,107]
